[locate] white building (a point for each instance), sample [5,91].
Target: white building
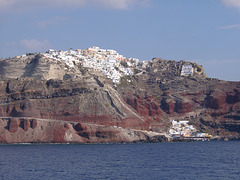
[187,70]
[104,60]
[181,128]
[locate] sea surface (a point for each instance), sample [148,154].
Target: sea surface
[192,160]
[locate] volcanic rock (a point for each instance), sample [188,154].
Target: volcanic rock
[34,123]
[26,124]
[80,127]
[43,100]
[14,125]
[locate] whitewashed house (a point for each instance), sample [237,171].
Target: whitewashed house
[187,70]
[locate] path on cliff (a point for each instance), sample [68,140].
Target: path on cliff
[117,100]
[189,115]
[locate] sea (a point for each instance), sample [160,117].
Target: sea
[179,160]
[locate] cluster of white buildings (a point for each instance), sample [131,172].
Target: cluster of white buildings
[187,70]
[182,129]
[108,61]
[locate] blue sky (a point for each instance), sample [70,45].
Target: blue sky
[202,31]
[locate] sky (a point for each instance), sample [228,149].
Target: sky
[203,31]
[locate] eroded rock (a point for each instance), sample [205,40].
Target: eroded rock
[14,125]
[34,123]
[26,124]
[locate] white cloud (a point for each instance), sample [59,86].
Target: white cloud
[21,5]
[119,4]
[51,22]
[35,45]
[234,3]
[234,26]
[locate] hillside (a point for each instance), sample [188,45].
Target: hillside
[48,99]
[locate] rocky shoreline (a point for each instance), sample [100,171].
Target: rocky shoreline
[36,131]
[19,130]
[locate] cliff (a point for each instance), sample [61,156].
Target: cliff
[27,130]
[209,104]
[43,100]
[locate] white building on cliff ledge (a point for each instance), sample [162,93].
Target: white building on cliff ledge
[187,70]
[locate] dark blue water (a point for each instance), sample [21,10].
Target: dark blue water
[198,160]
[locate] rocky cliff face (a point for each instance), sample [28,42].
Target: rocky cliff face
[27,130]
[36,67]
[210,104]
[42,100]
